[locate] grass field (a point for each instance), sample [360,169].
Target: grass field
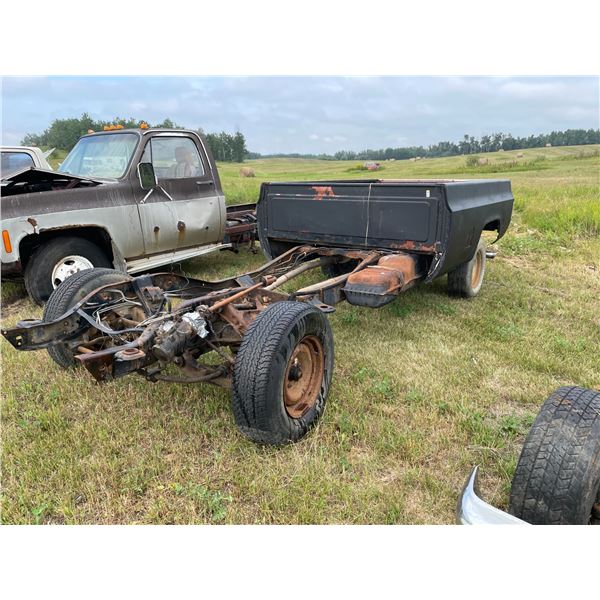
[423,388]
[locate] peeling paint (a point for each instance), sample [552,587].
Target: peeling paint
[323,191]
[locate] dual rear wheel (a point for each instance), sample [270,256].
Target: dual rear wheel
[466,280]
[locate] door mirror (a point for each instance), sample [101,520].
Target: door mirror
[147,176]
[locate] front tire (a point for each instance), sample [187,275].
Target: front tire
[282,373]
[67,295]
[55,261]
[557,479]
[466,280]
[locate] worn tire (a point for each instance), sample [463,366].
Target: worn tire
[466,280]
[69,293]
[261,367]
[557,479]
[38,273]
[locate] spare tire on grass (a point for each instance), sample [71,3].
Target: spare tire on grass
[557,479]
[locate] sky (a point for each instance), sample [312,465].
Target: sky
[312,114]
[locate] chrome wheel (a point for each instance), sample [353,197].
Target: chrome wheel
[68,266]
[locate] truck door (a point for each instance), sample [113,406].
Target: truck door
[184,211]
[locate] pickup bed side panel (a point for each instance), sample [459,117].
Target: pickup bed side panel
[365,214]
[440,218]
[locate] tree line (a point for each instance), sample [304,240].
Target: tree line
[64,133]
[468,145]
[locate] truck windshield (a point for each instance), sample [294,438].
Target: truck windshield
[15,161]
[102,156]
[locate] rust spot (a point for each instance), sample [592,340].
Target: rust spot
[130,354]
[322,191]
[33,223]
[385,281]
[403,263]
[393,272]
[181,235]
[412,245]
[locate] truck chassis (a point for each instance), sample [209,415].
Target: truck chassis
[274,349]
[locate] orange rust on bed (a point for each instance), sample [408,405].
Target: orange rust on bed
[322,191]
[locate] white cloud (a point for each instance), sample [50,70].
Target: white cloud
[532,89]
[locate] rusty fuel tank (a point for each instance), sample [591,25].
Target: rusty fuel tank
[379,284]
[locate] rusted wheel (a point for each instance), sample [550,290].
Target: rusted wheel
[303,376]
[477,270]
[467,279]
[282,373]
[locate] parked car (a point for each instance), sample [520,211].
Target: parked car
[16,158]
[372,240]
[557,479]
[130,199]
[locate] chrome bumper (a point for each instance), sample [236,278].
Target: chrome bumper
[472,510]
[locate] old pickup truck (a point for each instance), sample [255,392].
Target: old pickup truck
[16,158]
[267,340]
[131,199]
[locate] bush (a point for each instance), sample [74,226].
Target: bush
[472,160]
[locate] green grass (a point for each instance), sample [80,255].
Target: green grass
[423,388]
[56,157]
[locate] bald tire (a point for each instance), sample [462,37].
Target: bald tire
[460,280]
[259,372]
[67,295]
[557,479]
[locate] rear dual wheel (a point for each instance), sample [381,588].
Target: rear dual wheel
[466,280]
[282,373]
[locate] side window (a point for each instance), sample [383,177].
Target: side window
[173,158]
[15,161]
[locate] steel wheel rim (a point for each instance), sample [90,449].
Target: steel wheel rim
[68,266]
[303,376]
[477,270]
